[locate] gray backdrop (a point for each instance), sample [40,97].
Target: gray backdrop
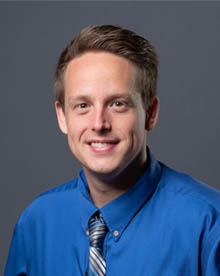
[34,154]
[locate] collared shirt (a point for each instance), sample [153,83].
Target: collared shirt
[167,224]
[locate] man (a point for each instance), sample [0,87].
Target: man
[126,213]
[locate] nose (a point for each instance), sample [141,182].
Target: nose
[101,121]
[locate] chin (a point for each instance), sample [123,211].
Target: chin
[107,171]
[101,171]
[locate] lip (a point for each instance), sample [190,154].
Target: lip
[108,146]
[103,141]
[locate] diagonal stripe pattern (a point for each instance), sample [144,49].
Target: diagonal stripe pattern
[97,232]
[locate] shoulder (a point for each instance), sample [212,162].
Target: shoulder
[51,201]
[183,186]
[188,201]
[194,209]
[191,204]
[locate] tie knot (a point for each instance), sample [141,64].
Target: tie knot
[97,231]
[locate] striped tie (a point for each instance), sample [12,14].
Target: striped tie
[97,232]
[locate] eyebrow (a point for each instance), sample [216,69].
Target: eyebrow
[73,99]
[115,96]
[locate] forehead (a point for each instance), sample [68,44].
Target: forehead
[101,70]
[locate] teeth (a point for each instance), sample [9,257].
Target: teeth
[99,145]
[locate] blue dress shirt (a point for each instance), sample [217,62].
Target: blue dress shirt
[167,224]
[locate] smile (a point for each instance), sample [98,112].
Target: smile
[104,146]
[99,145]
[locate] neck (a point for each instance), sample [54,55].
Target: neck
[106,187]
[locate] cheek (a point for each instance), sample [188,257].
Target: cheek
[75,130]
[136,127]
[128,127]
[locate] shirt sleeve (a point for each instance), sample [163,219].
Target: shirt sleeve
[16,264]
[213,260]
[211,252]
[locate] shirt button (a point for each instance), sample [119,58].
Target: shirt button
[116,233]
[87,232]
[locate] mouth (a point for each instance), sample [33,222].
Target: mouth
[103,146]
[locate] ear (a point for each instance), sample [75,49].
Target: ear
[61,117]
[152,114]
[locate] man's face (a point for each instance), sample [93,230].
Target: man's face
[104,117]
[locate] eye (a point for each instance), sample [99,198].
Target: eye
[119,106]
[82,108]
[82,105]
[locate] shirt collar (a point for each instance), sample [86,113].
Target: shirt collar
[120,211]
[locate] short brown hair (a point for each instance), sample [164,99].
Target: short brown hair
[116,40]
